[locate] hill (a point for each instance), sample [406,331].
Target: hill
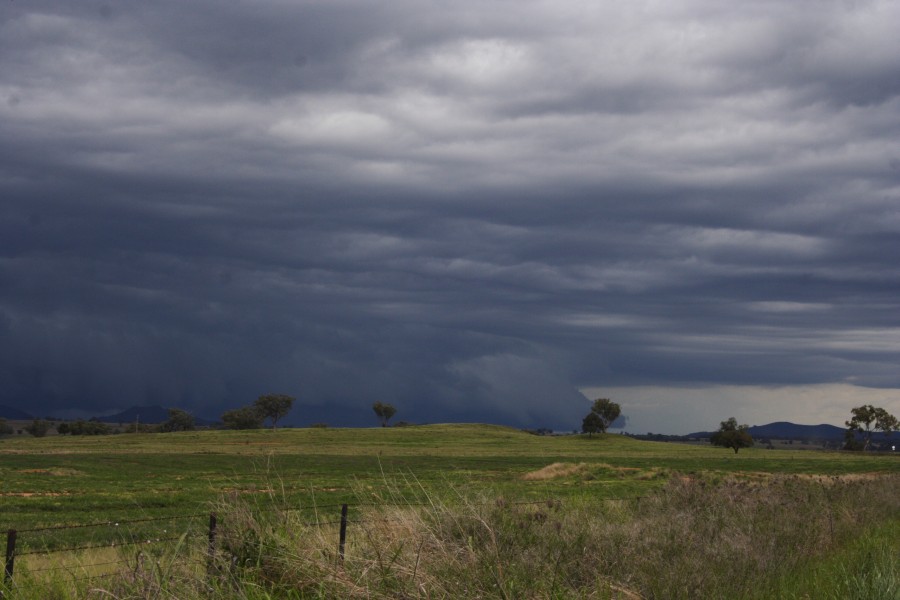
[8,412]
[142,414]
[149,415]
[784,430]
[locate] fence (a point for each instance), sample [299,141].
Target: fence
[13,540]
[210,535]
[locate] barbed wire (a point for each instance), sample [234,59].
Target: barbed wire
[83,567]
[93,577]
[121,522]
[365,519]
[499,503]
[113,523]
[94,546]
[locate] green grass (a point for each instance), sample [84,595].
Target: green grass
[867,568]
[59,480]
[676,492]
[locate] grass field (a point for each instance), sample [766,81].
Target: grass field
[140,481]
[68,479]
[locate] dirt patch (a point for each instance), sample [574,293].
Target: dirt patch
[53,472]
[590,471]
[33,494]
[233,490]
[555,471]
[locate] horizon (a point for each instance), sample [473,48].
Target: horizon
[288,422]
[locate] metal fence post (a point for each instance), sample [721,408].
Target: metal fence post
[10,554]
[343,539]
[211,549]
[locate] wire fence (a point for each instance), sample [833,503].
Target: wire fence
[34,548]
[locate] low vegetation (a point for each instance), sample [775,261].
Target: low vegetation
[449,512]
[735,537]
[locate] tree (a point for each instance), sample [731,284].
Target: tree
[38,428]
[603,412]
[868,419]
[732,435]
[384,412]
[850,441]
[246,417]
[591,424]
[274,406]
[179,420]
[82,427]
[138,428]
[5,428]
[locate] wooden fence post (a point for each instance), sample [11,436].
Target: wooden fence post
[10,555]
[211,549]
[343,539]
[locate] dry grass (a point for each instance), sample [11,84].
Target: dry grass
[590,471]
[696,538]
[555,471]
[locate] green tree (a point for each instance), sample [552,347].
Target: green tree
[82,427]
[38,428]
[604,412]
[868,419]
[274,406]
[138,428]
[246,417]
[384,412]
[179,420]
[591,424]
[731,435]
[850,441]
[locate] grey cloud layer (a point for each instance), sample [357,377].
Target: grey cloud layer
[470,210]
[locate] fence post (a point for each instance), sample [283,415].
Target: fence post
[10,554]
[211,549]
[343,539]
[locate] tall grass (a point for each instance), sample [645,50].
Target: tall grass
[866,569]
[761,537]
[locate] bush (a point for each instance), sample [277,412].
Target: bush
[82,427]
[38,428]
[247,417]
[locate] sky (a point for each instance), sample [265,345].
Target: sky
[480,211]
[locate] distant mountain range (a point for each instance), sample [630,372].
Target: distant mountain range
[780,430]
[145,414]
[141,414]
[149,415]
[8,412]
[783,430]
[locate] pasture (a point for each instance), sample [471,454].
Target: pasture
[64,479]
[153,483]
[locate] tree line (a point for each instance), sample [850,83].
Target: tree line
[269,408]
[865,421]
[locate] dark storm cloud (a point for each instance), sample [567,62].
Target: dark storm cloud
[470,211]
